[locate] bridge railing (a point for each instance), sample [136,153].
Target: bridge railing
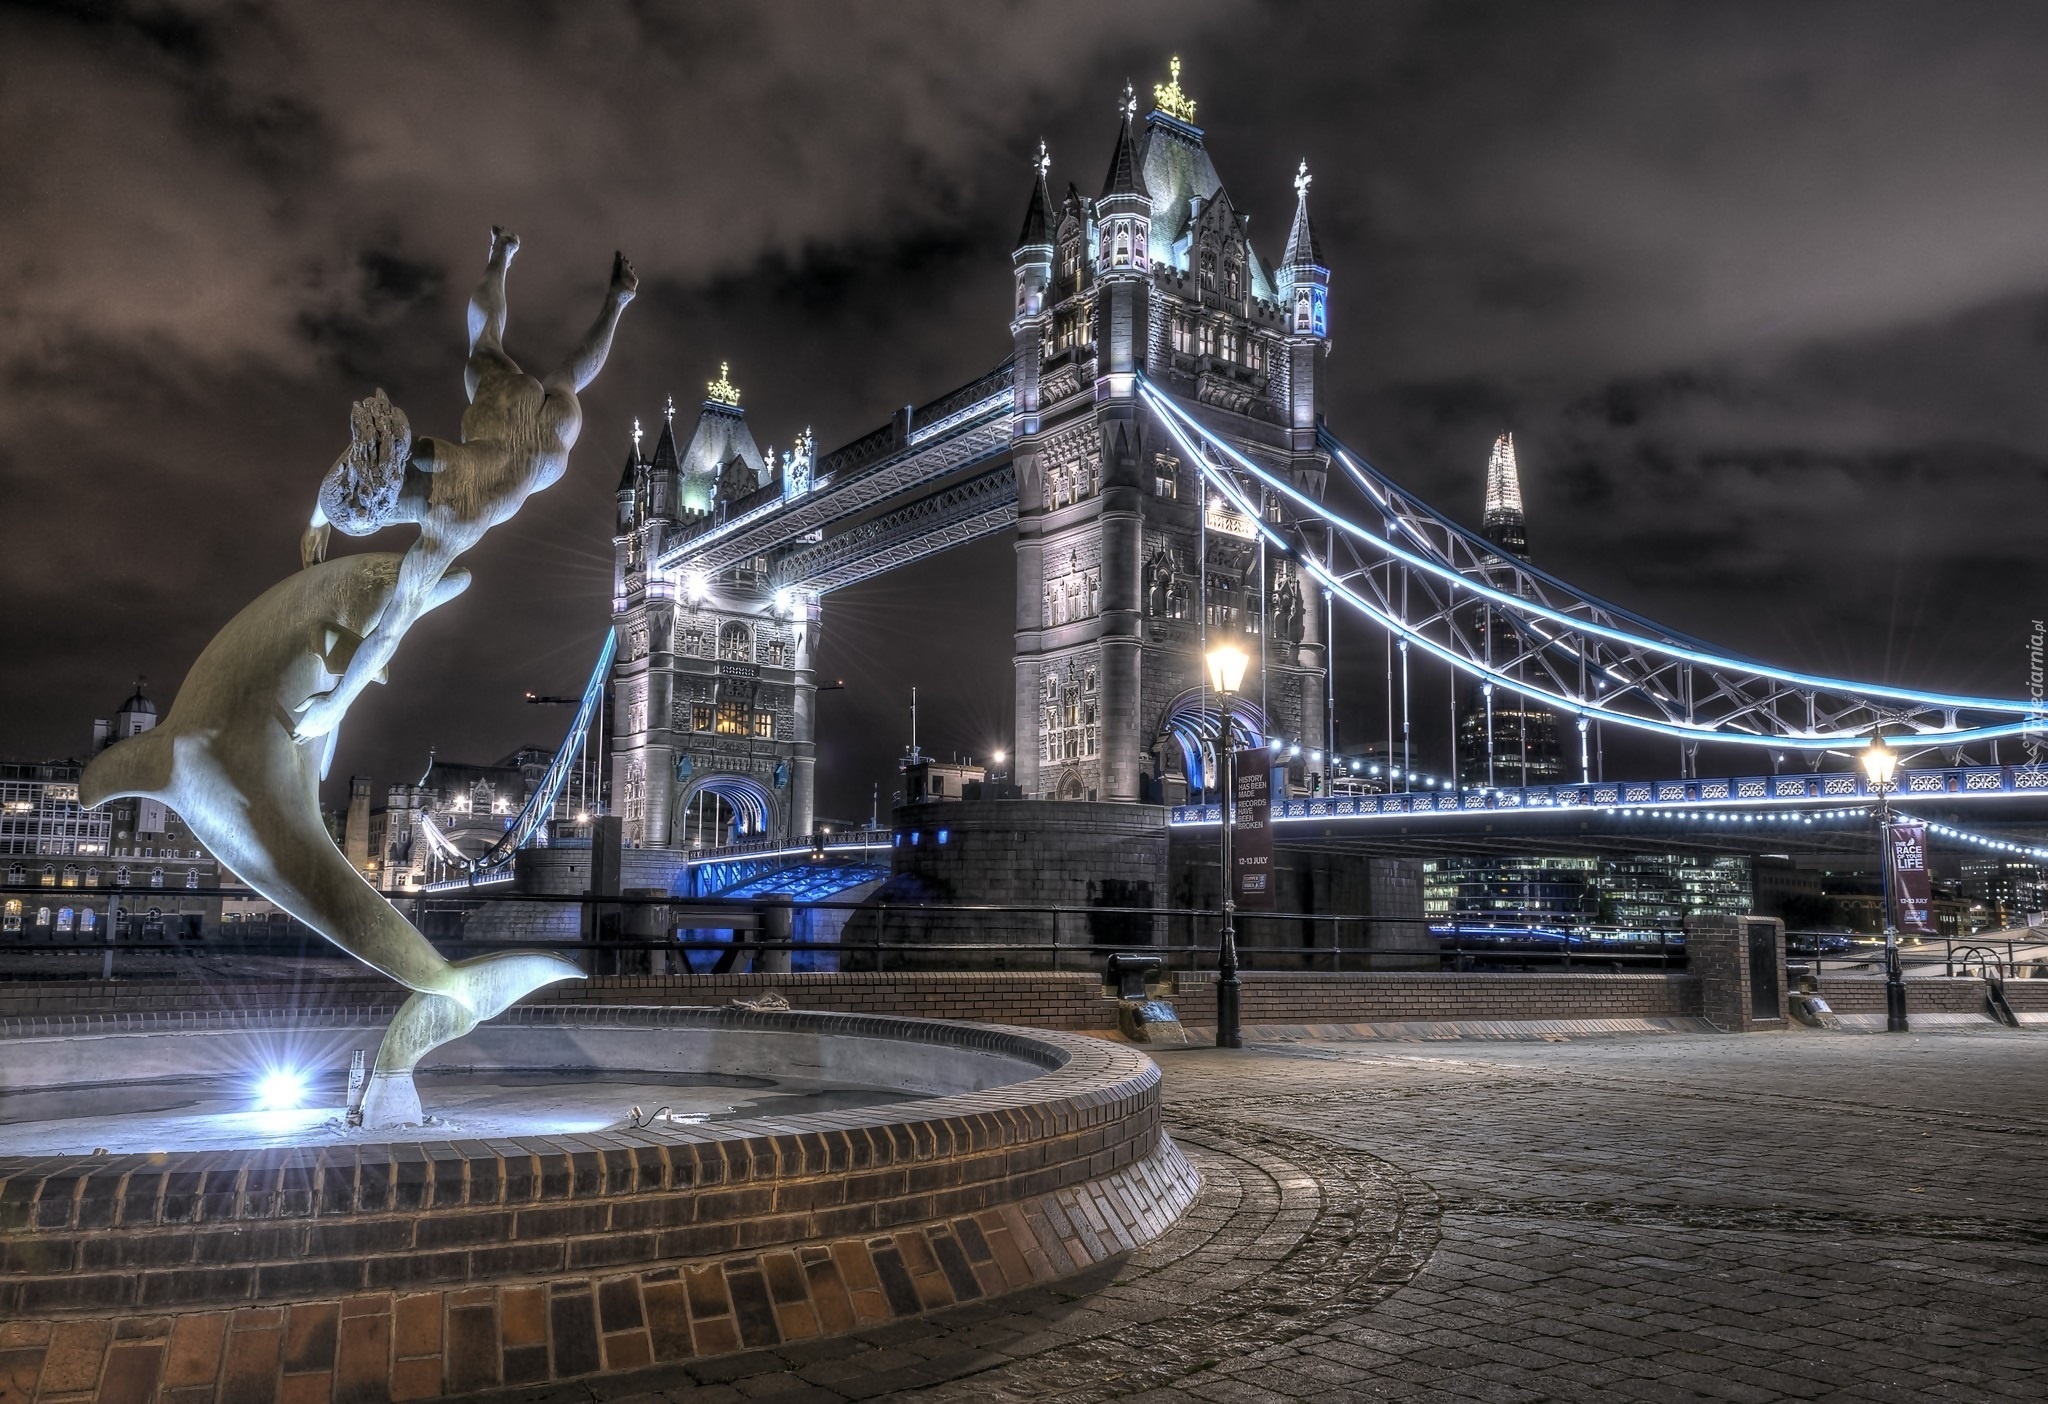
[1834,786]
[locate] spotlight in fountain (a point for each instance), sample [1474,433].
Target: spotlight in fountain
[281,1089]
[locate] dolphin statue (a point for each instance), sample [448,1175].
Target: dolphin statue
[226,760]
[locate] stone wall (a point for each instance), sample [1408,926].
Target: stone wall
[1023,853]
[1385,893]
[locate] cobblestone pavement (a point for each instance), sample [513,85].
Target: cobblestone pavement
[1797,1216]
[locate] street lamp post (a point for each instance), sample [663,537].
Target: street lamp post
[1226,675]
[1880,763]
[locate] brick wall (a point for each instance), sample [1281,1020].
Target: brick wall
[1271,997]
[1864,994]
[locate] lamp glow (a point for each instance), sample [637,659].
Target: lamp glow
[698,586]
[1226,667]
[1880,762]
[283,1089]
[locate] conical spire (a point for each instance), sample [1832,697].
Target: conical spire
[1302,249]
[1038,214]
[666,456]
[1124,176]
[629,481]
[1504,523]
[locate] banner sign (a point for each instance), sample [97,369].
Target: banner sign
[1252,833]
[1912,895]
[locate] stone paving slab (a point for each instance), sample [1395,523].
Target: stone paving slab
[1678,1217]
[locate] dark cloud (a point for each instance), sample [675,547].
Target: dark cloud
[1761,288]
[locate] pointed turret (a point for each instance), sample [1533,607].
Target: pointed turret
[1504,523]
[664,470]
[1304,280]
[629,485]
[1038,214]
[1124,213]
[1032,262]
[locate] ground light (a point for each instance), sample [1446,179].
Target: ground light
[281,1089]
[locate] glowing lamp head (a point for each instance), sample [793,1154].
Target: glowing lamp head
[785,601]
[281,1089]
[997,757]
[1880,762]
[697,585]
[1227,663]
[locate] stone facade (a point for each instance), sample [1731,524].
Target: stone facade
[1128,567]
[1018,853]
[712,689]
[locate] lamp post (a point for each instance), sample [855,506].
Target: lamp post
[1880,763]
[1226,674]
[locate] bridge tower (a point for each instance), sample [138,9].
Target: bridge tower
[1128,568]
[712,693]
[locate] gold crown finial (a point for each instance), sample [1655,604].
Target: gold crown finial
[1169,97]
[722,391]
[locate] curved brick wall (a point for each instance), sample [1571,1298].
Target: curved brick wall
[345,1271]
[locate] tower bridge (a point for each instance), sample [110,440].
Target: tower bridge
[1157,440]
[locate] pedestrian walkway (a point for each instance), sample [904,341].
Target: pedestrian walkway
[1667,1217]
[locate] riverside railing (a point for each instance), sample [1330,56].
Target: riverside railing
[636,933]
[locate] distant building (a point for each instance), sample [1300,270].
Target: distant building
[452,810]
[1634,892]
[171,885]
[1503,739]
[927,778]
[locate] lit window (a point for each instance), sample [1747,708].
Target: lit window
[70,875]
[764,726]
[87,920]
[10,915]
[63,918]
[156,877]
[734,718]
[700,716]
[192,877]
[49,877]
[121,877]
[1165,487]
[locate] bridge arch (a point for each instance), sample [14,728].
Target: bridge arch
[1193,722]
[719,809]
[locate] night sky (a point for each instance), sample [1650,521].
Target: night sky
[1762,291]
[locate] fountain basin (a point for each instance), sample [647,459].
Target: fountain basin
[970,1160]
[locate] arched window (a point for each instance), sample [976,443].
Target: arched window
[71,875]
[87,920]
[49,875]
[10,915]
[17,875]
[156,877]
[121,876]
[192,877]
[736,643]
[92,877]
[63,918]
[42,916]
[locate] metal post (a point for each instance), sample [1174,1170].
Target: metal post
[1894,971]
[1228,1033]
[113,921]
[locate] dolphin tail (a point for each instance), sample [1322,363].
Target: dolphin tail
[491,984]
[137,765]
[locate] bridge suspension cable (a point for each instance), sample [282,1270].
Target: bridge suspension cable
[1567,648]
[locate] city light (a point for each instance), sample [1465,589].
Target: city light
[697,585]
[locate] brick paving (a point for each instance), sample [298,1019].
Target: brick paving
[1678,1217]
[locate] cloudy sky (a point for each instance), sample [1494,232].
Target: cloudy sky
[1761,289]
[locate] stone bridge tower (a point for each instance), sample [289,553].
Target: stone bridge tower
[712,691]
[1127,566]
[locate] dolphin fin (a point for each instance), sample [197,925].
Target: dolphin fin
[136,765]
[327,745]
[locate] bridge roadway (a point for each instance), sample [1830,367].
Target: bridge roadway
[822,535]
[1825,812]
